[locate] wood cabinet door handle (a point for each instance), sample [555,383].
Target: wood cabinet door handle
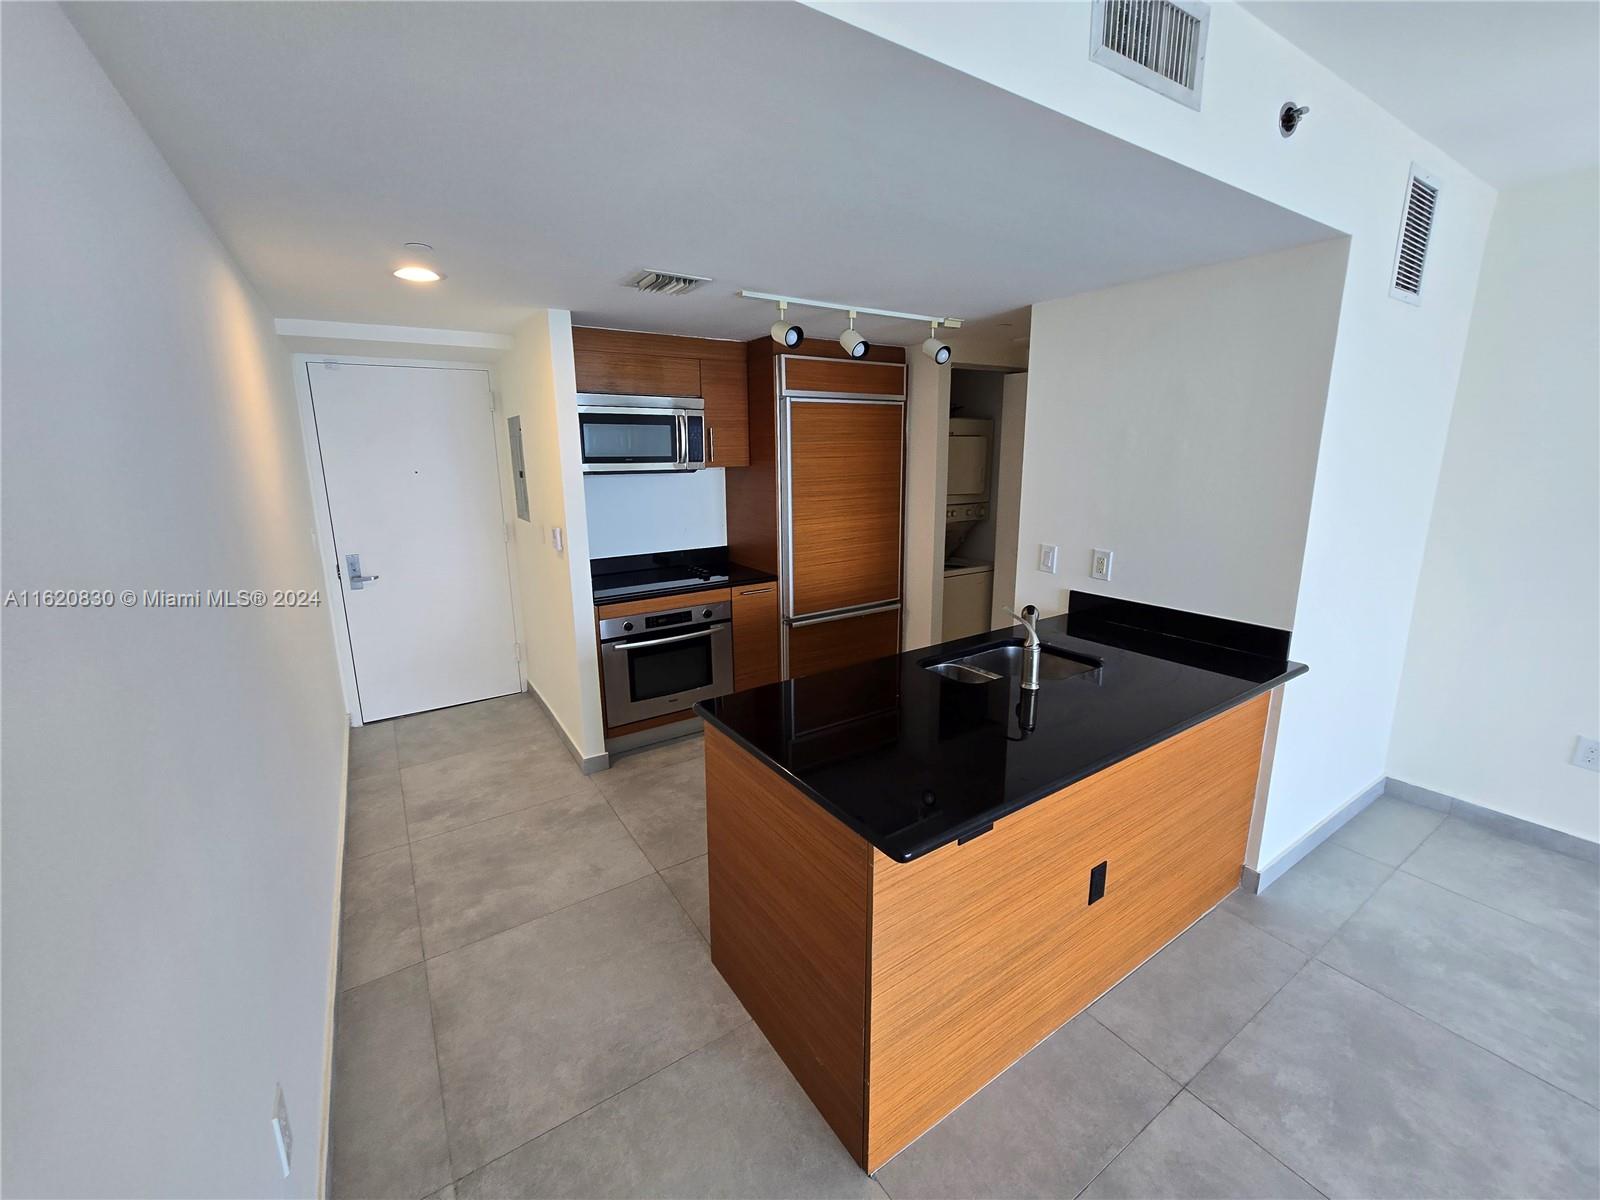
[760,591]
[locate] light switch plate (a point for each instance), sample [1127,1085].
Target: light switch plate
[1047,558]
[1100,565]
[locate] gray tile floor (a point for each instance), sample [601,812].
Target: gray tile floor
[528,1008]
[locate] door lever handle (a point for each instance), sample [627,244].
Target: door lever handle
[352,563]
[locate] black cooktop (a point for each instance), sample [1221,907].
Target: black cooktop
[634,576]
[642,582]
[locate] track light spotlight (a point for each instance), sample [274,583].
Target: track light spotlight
[784,333]
[934,348]
[854,344]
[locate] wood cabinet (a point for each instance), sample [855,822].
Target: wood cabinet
[755,635]
[844,496]
[835,377]
[894,991]
[724,386]
[636,374]
[841,641]
[618,362]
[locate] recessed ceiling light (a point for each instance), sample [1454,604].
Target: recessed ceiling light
[418,267]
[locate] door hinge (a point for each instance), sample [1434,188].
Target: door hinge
[337,573]
[494,401]
[516,649]
[507,531]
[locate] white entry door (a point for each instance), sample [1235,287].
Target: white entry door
[408,457]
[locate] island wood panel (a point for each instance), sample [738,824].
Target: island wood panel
[789,890]
[756,635]
[843,642]
[844,512]
[636,374]
[627,341]
[980,951]
[852,377]
[752,492]
[724,387]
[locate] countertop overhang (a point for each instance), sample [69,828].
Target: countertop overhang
[912,761]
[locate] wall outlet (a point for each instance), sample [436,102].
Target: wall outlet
[282,1132]
[1100,565]
[1047,558]
[1586,754]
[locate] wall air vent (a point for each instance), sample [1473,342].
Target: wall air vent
[1158,43]
[1411,248]
[666,283]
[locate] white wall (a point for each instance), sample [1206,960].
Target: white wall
[1395,366]
[1175,422]
[649,513]
[172,778]
[1503,666]
[538,383]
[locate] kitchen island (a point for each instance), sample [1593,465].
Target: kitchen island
[916,876]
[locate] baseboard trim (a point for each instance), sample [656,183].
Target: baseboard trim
[1517,828]
[659,735]
[589,764]
[1256,880]
[324,1157]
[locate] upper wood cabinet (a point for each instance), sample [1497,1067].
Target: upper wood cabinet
[636,374]
[619,362]
[834,377]
[725,387]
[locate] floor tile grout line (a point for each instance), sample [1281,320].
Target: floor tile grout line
[433,1038]
[1423,879]
[1244,1133]
[573,904]
[612,1096]
[1490,833]
[511,736]
[1086,1013]
[1381,994]
[1514,916]
[511,812]
[1106,1166]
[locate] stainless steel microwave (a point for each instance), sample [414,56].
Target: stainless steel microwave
[641,433]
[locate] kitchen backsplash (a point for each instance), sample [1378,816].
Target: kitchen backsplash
[648,513]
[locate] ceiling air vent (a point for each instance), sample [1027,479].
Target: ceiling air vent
[666,283]
[1158,43]
[1411,249]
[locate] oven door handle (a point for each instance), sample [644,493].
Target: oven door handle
[682,637]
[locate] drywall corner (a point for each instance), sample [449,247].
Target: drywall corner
[538,383]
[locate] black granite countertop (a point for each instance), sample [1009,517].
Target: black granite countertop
[912,761]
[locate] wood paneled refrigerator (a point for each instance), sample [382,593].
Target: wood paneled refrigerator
[841,449]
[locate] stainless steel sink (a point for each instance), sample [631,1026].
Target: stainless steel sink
[1003,659]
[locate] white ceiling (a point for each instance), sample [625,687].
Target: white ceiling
[1509,88]
[548,151]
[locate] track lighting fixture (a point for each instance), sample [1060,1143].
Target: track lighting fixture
[854,344]
[784,333]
